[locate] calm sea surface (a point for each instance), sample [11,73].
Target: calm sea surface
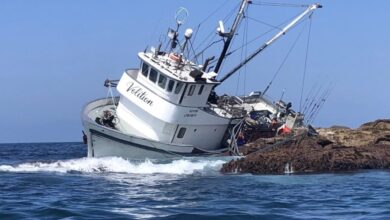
[56,180]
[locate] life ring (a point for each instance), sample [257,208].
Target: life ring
[174,57]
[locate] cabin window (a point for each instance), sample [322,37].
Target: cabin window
[179,85]
[162,81]
[200,89]
[171,83]
[181,133]
[153,75]
[145,69]
[191,90]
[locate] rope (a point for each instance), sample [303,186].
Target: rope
[283,62]
[305,68]
[213,33]
[265,23]
[244,49]
[208,17]
[278,4]
[267,32]
[201,52]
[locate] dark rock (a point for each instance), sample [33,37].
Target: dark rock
[304,153]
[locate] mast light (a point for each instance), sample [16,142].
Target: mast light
[188,33]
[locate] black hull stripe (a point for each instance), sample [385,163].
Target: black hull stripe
[144,147]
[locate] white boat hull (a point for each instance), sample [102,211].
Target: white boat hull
[104,141]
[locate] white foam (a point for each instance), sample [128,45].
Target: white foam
[116,165]
[288,168]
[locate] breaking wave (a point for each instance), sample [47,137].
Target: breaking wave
[117,165]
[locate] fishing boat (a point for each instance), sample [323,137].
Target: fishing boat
[168,106]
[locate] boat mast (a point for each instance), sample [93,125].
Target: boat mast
[229,36]
[272,40]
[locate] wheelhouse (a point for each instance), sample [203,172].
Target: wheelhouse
[176,87]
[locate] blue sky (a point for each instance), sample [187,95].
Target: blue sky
[55,56]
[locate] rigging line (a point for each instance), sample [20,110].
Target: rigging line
[212,13]
[312,101]
[279,4]
[284,61]
[308,98]
[208,17]
[232,12]
[305,67]
[209,38]
[317,102]
[227,17]
[327,91]
[201,52]
[242,54]
[322,104]
[317,105]
[193,51]
[246,50]
[265,33]
[311,98]
[265,23]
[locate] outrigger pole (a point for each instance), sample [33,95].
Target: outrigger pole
[273,39]
[229,36]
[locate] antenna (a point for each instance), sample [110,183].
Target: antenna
[181,15]
[221,29]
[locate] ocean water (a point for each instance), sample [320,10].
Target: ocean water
[57,181]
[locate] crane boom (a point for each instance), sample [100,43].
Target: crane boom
[272,40]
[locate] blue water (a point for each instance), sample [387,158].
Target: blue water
[54,181]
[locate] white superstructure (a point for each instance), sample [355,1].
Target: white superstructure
[164,103]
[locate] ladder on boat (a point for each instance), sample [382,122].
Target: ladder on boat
[234,135]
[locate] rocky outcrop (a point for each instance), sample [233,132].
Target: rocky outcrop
[334,149]
[367,134]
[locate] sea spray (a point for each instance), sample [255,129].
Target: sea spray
[117,165]
[288,168]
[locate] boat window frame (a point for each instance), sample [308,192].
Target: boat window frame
[180,85]
[182,132]
[200,90]
[170,89]
[150,74]
[159,82]
[142,69]
[191,90]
